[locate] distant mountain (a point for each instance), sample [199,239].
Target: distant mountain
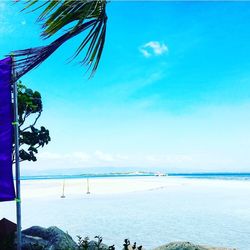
[92,170]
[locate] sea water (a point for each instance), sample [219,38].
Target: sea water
[221,176]
[213,214]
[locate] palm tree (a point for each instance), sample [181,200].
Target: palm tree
[74,16]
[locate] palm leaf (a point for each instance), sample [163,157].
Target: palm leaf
[74,16]
[26,60]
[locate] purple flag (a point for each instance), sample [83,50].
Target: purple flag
[7,192]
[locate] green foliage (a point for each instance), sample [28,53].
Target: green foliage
[30,137]
[128,246]
[68,17]
[99,241]
[84,244]
[29,102]
[58,14]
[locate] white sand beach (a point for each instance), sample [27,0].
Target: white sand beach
[149,210]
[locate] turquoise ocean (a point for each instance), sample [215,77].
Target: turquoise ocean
[221,176]
[204,208]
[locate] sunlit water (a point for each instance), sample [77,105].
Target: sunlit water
[200,214]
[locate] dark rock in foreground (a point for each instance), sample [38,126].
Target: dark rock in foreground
[51,238]
[188,246]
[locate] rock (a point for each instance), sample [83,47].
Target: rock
[33,243]
[188,246]
[51,238]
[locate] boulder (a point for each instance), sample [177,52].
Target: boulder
[51,238]
[188,246]
[34,243]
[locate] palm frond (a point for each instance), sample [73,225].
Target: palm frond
[26,60]
[74,16]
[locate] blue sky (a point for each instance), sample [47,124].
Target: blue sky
[172,90]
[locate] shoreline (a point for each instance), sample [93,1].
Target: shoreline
[78,187]
[118,185]
[148,210]
[211,175]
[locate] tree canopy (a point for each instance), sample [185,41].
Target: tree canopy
[29,111]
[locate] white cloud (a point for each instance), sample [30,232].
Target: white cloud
[81,157]
[170,159]
[50,156]
[153,48]
[104,156]
[71,157]
[99,158]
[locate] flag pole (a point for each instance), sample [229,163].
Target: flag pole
[17,163]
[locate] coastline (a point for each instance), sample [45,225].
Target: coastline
[205,175]
[148,210]
[120,185]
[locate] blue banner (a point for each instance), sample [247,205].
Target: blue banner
[7,191]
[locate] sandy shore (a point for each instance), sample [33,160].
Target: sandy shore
[108,186]
[149,210]
[97,186]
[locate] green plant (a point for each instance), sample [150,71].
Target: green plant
[99,242]
[31,138]
[134,246]
[83,243]
[126,244]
